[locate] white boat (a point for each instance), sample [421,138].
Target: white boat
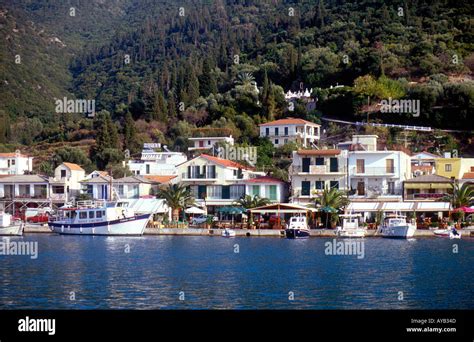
[228,233]
[10,227]
[99,218]
[451,233]
[396,226]
[297,228]
[350,226]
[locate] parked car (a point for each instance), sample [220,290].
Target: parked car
[203,219]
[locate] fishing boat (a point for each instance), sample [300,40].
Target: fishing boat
[451,233]
[98,218]
[297,228]
[396,226]
[228,233]
[9,226]
[350,227]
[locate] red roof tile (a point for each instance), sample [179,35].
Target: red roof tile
[328,152]
[226,162]
[263,179]
[288,121]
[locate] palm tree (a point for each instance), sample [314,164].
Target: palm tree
[177,197]
[331,201]
[245,79]
[248,201]
[460,196]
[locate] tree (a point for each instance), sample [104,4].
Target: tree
[249,202]
[207,81]
[331,201]
[177,197]
[460,196]
[130,135]
[72,155]
[106,142]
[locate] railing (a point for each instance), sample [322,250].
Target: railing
[317,169]
[424,196]
[185,176]
[374,193]
[373,171]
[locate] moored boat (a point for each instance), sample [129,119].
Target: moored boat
[350,227]
[451,233]
[99,218]
[228,233]
[297,228]
[9,226]
[396,226]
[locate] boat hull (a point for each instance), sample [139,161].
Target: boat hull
[447,233]
[297,233]
[398,232]
[16,230]
[352,233]
[128,226]
[228,233]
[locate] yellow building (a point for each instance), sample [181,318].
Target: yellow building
[454,167]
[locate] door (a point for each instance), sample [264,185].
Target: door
[360,166]
[305,187]
[333,165]
[306,163]
[360,188]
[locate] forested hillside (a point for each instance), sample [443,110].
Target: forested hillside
[165,70]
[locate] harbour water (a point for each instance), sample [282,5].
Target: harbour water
[177,272]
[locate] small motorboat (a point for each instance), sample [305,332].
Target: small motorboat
[228,233]
[297,228]
[451,233]
[350,227]
[396,226]
[10,227]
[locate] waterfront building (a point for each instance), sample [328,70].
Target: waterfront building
[454,167]
[156,163]
[373,173]
[426,188]
[134,187]
[15,163]
[266,187]
[283,131]
[214,181]
[207,143]
[66,183]
[97,187]
[312,171]
[18,192]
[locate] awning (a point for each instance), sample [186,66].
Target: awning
[148,205]
[398,206]
[194,210]
[427,186]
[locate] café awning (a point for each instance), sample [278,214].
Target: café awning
[398,206]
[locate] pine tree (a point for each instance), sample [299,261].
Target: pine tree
[130,134]
[207,81]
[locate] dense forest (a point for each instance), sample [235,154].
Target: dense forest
[165,70]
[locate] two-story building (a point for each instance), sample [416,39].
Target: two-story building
[426,188]
[312,171]
[423,163]
[15,163]
[266,187]
[66,183]
[376,174]
[215,181]
[283,131]
[454,167]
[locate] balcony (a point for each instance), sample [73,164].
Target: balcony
[373,171]
[424,196]
[199,177]
[317,170]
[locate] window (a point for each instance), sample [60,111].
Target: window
[286,141]
[121,189]
[63,173]
[147,169]
[214,191]
[276,142]
[334,184]
[209,143]
[91,214]
[83,215]
[237,191]
[389,166]
[306,164]
[211,171]
[319,185]
[256,190]
[98,214]
[448,168]
[286,130]
[360,165]
[319,161]
[273,192]
[305,187]
[276,131]
[267,131]
[391,188]
[333,165]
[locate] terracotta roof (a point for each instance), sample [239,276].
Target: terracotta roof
[226,162]
[429,179]
[468,175]
[329,152]
[263,179]
[422,167]
[288,121]
[160,179]
[73,166]
[12,155]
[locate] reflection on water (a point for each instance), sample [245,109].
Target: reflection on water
[157,272]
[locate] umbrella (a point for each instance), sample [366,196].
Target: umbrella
[232,211]
[465,209]
[194,210]
[328,209]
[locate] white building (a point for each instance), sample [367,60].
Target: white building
[15,163]
[281,132]
[66,183]
[376,174]
[423,163]
[266,187]
[215,181]
[312,171]
[206,143]
[156,163]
